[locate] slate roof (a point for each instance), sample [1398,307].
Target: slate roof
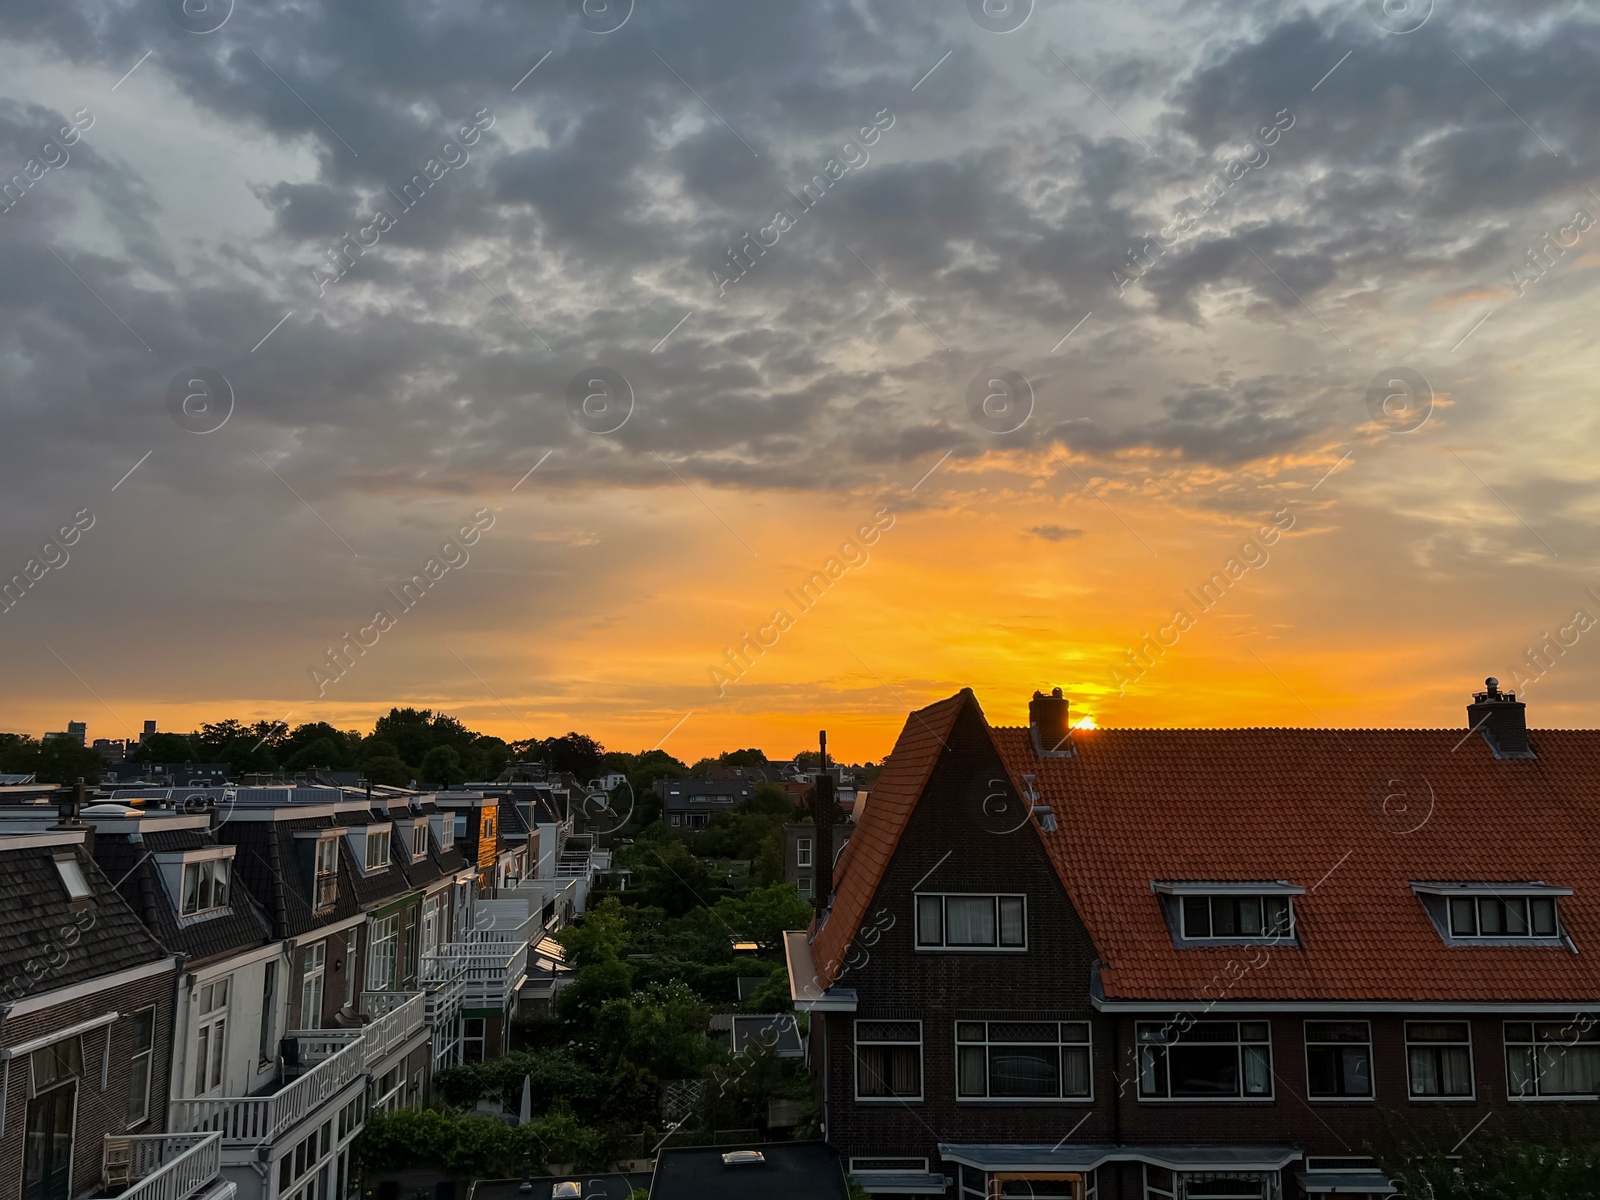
[272,867]
[242,927]
[110,938]
[1352,816]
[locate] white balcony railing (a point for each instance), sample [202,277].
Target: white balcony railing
[489,972]
[340,1059]
[162,1166]
[391,1030]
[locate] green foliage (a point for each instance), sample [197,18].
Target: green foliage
[601,937]
[164,748]
[765,914]
[390,772]
[667,876]
[1492,1168]
[553,1074]
[469,1145]
[60,760]
[857,1192]
[441,766]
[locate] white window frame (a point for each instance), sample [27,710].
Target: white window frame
[1309,1042]
[855,1062]
[267,1052]
[376,836]
[1472,1065]
[942,946]
[1086,1045]
[432,926]
[383,953]
[211,1031]
[1173,1037]
[148,1056]
[1586,1036]
[73,878]
[211,873]
[313,984]
[802,852]
[352,948]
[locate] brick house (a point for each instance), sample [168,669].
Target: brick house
[85,1035]
[1207,963]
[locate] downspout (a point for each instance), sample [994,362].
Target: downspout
[825,1066]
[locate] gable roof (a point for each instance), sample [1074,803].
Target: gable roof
[859,869]
[1352,816]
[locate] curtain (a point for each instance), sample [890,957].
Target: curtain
[972,1072]
[1568,1070]
[969,921]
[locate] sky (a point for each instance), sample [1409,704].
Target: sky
[720,372]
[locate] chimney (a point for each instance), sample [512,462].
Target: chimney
[1049,725]
[822,810]
[67,818]
[1502,719]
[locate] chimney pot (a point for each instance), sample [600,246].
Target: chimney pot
[1050,725]
[1502,719]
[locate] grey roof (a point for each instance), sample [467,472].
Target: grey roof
[792,1171]
[1082,1156]
[272,866]
[46,943]
[596,1186]
[743,1030]
[242,926]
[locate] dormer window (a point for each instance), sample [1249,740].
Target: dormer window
[1230,912]
[205,887]
[327,871]
[377,857]
[419,840]
[1493,914]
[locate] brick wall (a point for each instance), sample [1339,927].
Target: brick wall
[99,1112]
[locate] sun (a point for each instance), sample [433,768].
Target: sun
[1085,723]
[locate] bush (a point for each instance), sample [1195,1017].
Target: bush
[461,1144]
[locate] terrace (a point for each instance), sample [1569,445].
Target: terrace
[163,1166]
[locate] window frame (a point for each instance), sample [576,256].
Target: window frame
[375,836]
[1472,1066]
[313,979]
[1172,1038]
[74,879]
[135,1055]
[383,949]
[855,1060]
[1308,1042]
[211,1031]
[207,871]
[419,839]
[1478,901]
[1537,1096]
[1087,1045]
[802,852]
[1268,937]
[943,946]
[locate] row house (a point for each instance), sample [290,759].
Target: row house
[86,1033]
[1214,964]
[800,850]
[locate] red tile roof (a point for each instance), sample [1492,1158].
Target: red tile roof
[1352,816]
[860,867]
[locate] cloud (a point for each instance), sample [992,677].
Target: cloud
[1053,533]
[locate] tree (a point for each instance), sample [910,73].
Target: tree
[440,766]
[575,754]
[60,760]
[164,748]
[765,914]
[388,772]
[1485,1167]
[321,753]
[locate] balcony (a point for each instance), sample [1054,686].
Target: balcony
[396,1020]
[161,1166]
[337,1058]
[489,972]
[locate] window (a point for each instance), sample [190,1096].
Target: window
[1236,918]
[140,1066]
[352,947]
[1210,1060]
[377,849]
[419,840]
[73,879]
[1503,917]
[963,922]
[1439,1059]
[313,976]
[474,1041]
[211,1000]
[1339,1060]
[677,818]
[802,852]
[268,1050]
[803,886]
[57,1063]
[432,924]
[1163,1184]
[385,945]
[1552,1058]
[205,886]
[327,872]
[888,1060]
[1035,1060]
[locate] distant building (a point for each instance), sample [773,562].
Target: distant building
[187,775]
[689,803]
[111,751]
[149,728]
[77,731]
[800,853]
